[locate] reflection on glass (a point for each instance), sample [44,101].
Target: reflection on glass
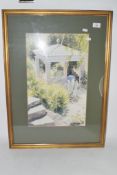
[57,68]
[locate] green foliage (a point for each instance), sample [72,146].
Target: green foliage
[82,43]
[75,41]
[79,63]
[78,119]
[84,79]
[32,83]
[54,96]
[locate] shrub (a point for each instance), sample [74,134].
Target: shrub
[32,83]
[54,96]
[84,79]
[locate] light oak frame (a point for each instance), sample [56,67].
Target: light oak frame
[101,143]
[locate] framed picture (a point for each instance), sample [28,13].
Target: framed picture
[57,77]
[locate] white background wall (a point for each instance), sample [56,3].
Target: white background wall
[62,161]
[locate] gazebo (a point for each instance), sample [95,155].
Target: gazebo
[57,53]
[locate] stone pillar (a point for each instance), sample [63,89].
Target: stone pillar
[47,71]
[37,66]
[65,68]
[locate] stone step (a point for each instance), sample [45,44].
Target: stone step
[43,121]
[36,109]
[37,115]
[32,102]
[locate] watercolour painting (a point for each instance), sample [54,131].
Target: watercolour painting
[57,77]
